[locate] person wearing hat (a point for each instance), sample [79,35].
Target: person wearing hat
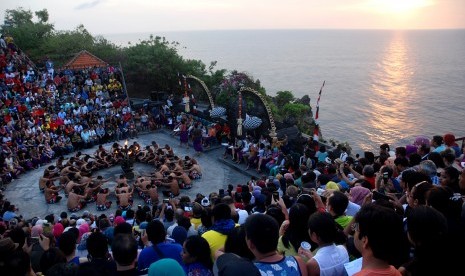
[205,202]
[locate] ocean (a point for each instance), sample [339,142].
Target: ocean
[381,86]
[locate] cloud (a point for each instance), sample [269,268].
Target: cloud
[88,5]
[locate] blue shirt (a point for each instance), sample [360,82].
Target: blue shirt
[286,266]
[149,255]
[8,215]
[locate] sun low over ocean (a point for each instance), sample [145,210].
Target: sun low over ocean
[381,85]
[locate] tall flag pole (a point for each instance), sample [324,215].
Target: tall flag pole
[316,130]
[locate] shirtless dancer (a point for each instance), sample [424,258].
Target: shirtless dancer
[150,194]
[124,200]
[74,183]
[65,174]
[122,180]
[43,180]
[102,203]
[172,184]
[90,191]
[76,201]
[194,171]
[185,181]
[51,193]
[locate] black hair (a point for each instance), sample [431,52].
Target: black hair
[384,229]
[206,217]
[437,159]
[438,139]
[123,228]
[385,147]
[402,161]
[308,201]
[124,249]
[263,231]
[17,263]
[221,211]
[156,232]
[130,214]
[369,157]
[428,231]
[324,226]
[18,236]
[236,243]
[309,177]
[338,202]
[402,151]
[276,213]
[184,222]
[51,257]
[97,245]
[169,214]
[296,231]
[454,175]
[199,248]
[67,243]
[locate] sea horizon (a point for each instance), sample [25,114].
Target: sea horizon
[382,86]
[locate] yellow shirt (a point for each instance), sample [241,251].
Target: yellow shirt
[216,240]
[196,222]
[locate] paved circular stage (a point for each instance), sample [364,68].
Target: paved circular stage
[25,194]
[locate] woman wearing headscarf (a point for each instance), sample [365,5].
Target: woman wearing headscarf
[357,194]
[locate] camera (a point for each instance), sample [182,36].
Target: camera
[32,240]
[166,200]
[378,195]
[188,207]
[385,177]
[275,196]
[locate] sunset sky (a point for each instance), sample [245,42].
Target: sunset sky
[119,16]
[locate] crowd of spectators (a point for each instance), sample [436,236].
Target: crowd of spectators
[397,212]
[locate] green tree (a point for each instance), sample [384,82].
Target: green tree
[154,64]
[283,97]
[42,15]
[300,113]
[28,35]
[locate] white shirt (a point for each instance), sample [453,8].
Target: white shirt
[343,156]
[331,259]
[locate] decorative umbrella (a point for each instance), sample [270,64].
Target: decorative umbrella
[217,112]
[251,122]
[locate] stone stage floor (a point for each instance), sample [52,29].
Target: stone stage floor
[217,174]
